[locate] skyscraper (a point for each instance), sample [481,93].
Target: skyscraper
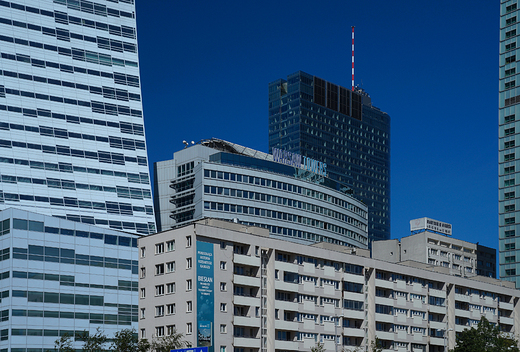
[334,125]
[72,140]
[509,168]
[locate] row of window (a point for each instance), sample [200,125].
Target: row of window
[77,54]
[119,78]
[96,106]
[309,207]
[94,318]
[115,142]
[286,187]
[122,192]
[284,216]
[94,8]
[65,35]
[101,156]
[106,92]
[143,228]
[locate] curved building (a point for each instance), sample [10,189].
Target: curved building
[292,196]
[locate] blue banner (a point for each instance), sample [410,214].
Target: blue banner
[194,349]
[205,295]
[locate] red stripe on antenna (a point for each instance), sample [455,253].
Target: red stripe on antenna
[352,57]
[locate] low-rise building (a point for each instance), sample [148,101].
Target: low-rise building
[238,289]
[63,277]
[431,243]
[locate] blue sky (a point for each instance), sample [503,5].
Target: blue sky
[432,66]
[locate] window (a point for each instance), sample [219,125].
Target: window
[223,265]
[143,292]
[170,246]
[159,290]
[509,208]
[510,271]
[510,246]
[222,348]
[189,263]
[159,248]
[159,331]
[189,307]
[223,307]
[189,328]
[511,58]
[159,269]
[159,311]
[223,328]
[143,252]
[509,221]
[509,157]
[510,72]
[509,84]
[509,170]
[170,267]
[170,287]
[142,313]
[170,330]
[509,233]
[143,273]
[509,144]
[510,259]
[510,34]
[170,308]
[188,241]
[143,333]
[510,8]
[189,285]
[222,245]
[223,286]
[511,46]
[509,195]
[509,131]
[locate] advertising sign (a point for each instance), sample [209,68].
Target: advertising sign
[430,224]
[205,295]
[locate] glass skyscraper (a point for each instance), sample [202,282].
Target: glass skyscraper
[509,166]
[334,125]
[72,141]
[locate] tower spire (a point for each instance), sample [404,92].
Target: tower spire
[352,57]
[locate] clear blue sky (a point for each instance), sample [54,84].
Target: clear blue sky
[432,66]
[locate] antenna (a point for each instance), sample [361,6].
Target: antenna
[352,58]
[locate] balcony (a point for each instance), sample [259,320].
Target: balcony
[385,335]
[286,286]
[286,305]
[285,266]
[286,325]
[437,309]
[437,341]
[246,260]
[506,321]
[246,342]
[353,332]
[437,325]
[246,321]
[246,280]
[437,293]
[462,313]
[284,345]
[384,318]
[246,301]
[385,301]
[384,284]
[462,298]
[505,305]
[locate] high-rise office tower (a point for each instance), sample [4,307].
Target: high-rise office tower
[72,139]
[334,125]
[509,167]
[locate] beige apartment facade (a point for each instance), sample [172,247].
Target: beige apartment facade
[234,287]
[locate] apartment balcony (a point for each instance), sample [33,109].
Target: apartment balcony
[285,266]
[356,296]
[385,284]
[437,309]
[286,325]
[285,305]
[384,318]
[462,313]
[358,279]
[505,305]
[462,298]
[385,301]
[353,314]
[246,301]
[506,321]
[438,325]
[284,345]
[286,286]
[246,321]
[246,342]
[246,260]
[437,293]
[246,280]
[437,341]
[385,335]
[353,332]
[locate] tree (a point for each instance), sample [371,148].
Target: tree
[170,342]
[63,344]
[318,348]
[485,338]
[126,340]
[93,342]
[376,346]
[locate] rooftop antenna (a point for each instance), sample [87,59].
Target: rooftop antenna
[352,58]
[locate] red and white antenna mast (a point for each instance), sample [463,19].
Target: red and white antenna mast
[352,58]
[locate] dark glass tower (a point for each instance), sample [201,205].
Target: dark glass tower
[334,125]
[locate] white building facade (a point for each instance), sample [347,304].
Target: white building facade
[234,287]
[72,140]
[63,277]
[223,180]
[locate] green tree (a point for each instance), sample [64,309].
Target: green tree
[93,342]
[171,342]
[485,338]
[318,348]
[126,340]
[376,346]
[63,344]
